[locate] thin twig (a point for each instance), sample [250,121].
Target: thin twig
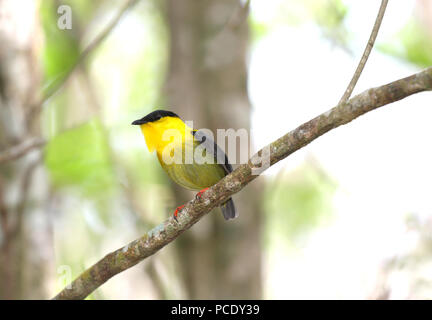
[58,84]
[21,149]
[26,146]
[24,194]
[366,53]
[134,252]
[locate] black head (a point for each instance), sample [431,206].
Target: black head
[155,116]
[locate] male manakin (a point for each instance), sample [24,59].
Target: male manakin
[157,128]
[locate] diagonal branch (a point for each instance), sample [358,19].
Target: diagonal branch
[134,252]
[85,53]
[21,149]
[366,53]
[58,84]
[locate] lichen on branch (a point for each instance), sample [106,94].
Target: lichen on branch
[139,249]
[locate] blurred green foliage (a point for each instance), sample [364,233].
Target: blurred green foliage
[61,48]
[258,29]
[81,157]
[328,15]
[413,43]
[108,184]
[297,202]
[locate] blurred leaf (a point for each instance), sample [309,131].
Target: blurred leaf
[137,62]
[84,10]
[259,29]
[61,46]
[413,44]
[80,157]
[328,15]
[298,202]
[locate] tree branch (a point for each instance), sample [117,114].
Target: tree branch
[366,52]
[134,252]
[58,84]
[21,149]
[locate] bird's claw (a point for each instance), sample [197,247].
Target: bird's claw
[199,194]
[178,209]
[176,212]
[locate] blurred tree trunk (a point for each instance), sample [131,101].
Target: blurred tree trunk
[207,83]
[21,258]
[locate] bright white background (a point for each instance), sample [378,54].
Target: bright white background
[381,162]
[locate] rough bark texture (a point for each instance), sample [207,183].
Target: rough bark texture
[169,230]
[206,83]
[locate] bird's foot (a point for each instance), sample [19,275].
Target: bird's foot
[199,194]
[176,212]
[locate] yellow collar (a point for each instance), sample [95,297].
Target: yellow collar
[160,133]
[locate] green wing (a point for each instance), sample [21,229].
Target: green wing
[206,141]
[197,176]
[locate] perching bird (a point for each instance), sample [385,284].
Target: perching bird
[158,126]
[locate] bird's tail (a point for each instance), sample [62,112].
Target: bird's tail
[228,210]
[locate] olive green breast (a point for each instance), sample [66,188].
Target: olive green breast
[193,175]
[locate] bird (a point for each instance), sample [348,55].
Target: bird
[173,153]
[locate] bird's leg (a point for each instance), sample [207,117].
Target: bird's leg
[177,210]
[199,194]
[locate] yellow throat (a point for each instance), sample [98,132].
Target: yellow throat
[160,133]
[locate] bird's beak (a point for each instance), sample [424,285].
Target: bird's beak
[139,122]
